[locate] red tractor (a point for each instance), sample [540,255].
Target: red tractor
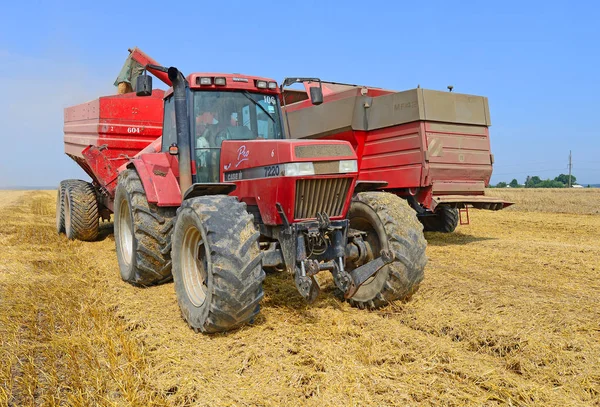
[221,195]
[431,148]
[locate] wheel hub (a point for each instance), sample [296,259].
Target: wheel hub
[125,232]
[67,214]
[194,266]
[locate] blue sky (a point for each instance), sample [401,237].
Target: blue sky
[537,62]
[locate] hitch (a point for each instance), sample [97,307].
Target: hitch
[306,284]
[363,273]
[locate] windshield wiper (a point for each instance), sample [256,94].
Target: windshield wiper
[247,94]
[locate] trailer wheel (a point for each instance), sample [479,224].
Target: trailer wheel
[80,209]
[444,220]
[391,224]
[217,266]
[60,204]
[142,233]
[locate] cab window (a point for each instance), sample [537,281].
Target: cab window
[169,135]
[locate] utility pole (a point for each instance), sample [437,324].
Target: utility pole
[570,167]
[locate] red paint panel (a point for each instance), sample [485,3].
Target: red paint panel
[267,192]
[397,143]
[466,142]
[400,177]
[455,156]
[159,181]
[125,123]
[391,159]
[238,155]
[120,125]
[395,131]
[450,172]
[392,154]
[103,169]
[458,188]
[462,157]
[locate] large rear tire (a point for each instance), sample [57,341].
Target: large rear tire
[390,224]
[217,266]
[142,233]
[445,220]
[80,211]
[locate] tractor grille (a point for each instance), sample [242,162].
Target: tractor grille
[320,195]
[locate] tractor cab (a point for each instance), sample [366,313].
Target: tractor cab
[224,107]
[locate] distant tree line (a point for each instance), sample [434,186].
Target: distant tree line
[562,181]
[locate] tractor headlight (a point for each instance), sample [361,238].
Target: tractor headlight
[298,169]
[348,166]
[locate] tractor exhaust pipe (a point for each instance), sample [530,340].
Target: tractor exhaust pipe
[182,127]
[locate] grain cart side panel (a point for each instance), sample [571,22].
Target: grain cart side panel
[459,160]
[103,134]
[393,154]
[457,147]
[432,143]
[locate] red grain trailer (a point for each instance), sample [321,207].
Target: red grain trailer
[432,148]
[105,133]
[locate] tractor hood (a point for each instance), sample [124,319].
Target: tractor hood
[241,155]
[296,179]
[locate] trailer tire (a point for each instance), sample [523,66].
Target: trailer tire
[142,233]
[445,220]
[80,209]
[217,264]
[390,224]
[60,204]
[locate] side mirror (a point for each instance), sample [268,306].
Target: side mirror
[316,95]
[143,85]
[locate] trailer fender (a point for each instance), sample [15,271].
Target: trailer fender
[158,178]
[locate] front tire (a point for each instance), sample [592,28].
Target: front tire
[142,234]
[217,266]
[390,224]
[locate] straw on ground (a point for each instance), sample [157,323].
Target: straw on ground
[508,313]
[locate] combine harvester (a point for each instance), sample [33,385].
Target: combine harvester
[431,148]
[206,189]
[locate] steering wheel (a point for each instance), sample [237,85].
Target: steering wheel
[221,136]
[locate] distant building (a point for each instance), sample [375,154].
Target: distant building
[577,186]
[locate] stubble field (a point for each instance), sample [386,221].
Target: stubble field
[508,314]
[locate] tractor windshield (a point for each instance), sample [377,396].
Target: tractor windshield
[232,115]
